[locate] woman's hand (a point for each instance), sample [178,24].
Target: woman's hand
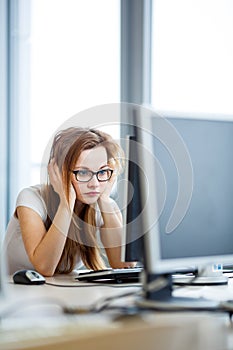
[105,195]
[58,186]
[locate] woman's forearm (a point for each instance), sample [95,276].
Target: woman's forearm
[47,253]
[111,230]
[111,233]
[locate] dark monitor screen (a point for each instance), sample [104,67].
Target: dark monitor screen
[133,245]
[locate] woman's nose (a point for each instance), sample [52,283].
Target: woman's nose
[93,182]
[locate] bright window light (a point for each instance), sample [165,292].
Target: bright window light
[75,64]
[192,55]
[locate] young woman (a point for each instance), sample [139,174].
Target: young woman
[54,227]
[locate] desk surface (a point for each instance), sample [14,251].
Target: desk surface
[34,319]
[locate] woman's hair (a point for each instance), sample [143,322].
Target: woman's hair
[67,146]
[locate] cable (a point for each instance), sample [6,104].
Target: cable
[105,284]
[100,305]
[69,285]
[103,303]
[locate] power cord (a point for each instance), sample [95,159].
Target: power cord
[93,284]
[104,303]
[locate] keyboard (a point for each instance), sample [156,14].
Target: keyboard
[123,275]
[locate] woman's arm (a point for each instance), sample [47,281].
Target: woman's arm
[44,248]
[112,230]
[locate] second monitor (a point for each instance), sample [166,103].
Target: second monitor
[203,234]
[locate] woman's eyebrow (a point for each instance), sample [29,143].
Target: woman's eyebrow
[103,166]
[86,168]
[81,167]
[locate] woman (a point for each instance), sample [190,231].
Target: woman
[54,227]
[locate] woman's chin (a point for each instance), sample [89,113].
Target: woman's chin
[90,199]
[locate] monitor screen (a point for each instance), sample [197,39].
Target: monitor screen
[188,219]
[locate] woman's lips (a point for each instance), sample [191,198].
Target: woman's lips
[92,194]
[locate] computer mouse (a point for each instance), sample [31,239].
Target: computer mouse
[28,277]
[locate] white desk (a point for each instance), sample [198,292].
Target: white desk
[39,323]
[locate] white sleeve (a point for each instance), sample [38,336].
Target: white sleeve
[30,197]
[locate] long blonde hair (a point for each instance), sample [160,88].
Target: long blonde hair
[66,149]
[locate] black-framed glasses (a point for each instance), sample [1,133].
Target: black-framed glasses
[85,175]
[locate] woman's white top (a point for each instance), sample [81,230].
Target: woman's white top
[14,249]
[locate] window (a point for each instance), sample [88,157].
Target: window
[75,64]
[192,55]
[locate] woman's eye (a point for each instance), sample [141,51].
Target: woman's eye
[83,172]
[103,172]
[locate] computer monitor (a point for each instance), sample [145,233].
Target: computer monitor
[187,196]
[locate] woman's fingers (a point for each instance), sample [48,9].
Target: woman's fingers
[55,177]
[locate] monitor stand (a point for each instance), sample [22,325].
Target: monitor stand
[157,294]
[210,275]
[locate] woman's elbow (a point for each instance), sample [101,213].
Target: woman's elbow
[46,271]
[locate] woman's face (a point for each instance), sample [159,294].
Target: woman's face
[94,159]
